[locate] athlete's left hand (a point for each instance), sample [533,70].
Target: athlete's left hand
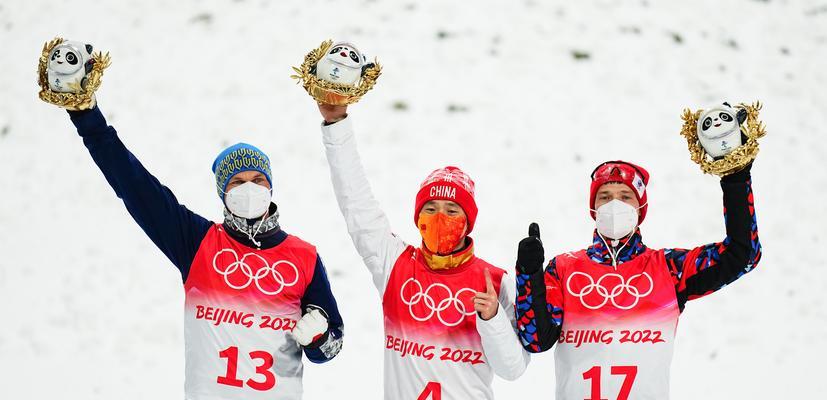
[486,302]
[311,328]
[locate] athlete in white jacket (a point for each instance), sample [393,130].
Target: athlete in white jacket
[448,315]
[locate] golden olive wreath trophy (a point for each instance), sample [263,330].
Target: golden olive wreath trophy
[337,74]
[723,139]
[69,73]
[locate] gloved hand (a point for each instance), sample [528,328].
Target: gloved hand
[530,253]
[741,176]
[311,330]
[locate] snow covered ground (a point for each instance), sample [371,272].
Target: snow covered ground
[526,95]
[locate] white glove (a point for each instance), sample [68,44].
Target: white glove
[312,326]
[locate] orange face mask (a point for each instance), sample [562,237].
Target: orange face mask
[441,233]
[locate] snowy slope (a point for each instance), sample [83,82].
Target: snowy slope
[91,310]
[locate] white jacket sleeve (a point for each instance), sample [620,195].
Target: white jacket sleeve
[500,343]
[366,222]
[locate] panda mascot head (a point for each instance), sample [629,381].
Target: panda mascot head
[69,63]
[342,64]
[719,129]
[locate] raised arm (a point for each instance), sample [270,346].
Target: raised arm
[176,230]
[366,222]
[705,269]
[539,302]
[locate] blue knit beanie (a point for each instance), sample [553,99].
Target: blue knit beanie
[237,158]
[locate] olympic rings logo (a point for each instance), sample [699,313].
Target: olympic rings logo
[425,298]
[265,269]
[623,286]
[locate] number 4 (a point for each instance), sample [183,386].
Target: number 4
[433,390]
[625,388]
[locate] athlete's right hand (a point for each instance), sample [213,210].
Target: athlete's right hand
[530,253]
[331,113]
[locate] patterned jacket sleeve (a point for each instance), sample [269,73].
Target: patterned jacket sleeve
[539,308]
[176,230]
[706,269]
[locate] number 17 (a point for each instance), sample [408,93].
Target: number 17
[593,374]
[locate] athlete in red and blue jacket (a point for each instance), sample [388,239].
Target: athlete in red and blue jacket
[612,309]
[256,297]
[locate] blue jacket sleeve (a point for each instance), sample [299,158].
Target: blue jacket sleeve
[319,295]
[176,230]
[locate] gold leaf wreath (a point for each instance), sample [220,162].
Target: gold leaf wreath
[737,159]
[328,92]
[85,98]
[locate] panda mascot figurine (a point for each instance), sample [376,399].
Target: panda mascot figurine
[69,64]
[343,64]
[336,73]
[719,129]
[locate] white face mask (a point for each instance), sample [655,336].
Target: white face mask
[616,219]
[248,200]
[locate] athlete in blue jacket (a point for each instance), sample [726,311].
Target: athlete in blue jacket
[256,297]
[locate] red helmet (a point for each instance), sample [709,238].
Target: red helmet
[631,175]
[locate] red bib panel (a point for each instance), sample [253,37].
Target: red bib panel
[431,340]
[618,327]
[240,305]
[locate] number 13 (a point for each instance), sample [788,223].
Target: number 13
[230,378]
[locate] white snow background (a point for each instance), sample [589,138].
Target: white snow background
[90,309]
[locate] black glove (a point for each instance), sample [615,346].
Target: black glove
[741,176]
[530,254]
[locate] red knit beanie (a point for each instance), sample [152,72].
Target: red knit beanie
[631,175]
[449,183]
